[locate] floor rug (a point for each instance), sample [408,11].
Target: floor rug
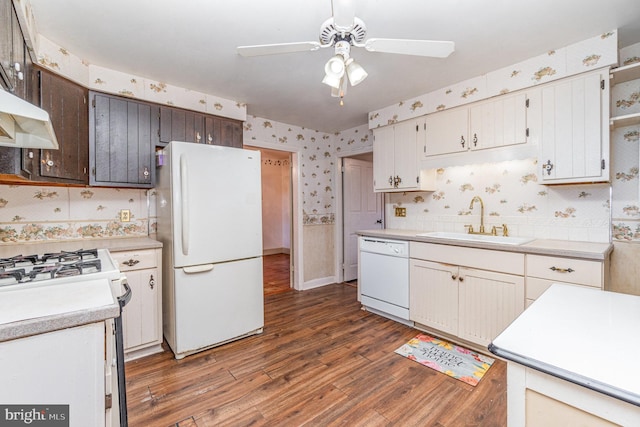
[450,359]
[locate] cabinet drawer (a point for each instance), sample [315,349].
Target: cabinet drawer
[482,259]
[135,260]
[568,270]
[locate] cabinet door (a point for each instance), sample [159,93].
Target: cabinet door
[574,142]
[194,127]
[433,289]
[499,122]
[140,315]
[447,132]
[230,133]
[18,57]
[405,161]
[383,158]
[66,103]
[6,43]
[123,139]
[488,303]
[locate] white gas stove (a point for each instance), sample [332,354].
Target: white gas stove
[54,284]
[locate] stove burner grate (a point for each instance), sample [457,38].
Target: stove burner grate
[22,269]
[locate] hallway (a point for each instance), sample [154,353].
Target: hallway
[276,277]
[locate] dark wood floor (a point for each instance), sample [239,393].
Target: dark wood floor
[320,361]
[275,274]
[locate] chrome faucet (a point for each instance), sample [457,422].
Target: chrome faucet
[478,199]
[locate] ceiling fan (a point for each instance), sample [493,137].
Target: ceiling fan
[342,31]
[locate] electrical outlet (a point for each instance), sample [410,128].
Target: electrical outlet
[125,215]
[401,211]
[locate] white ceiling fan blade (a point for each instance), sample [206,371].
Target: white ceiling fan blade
[343,14]
[438,49]
[274,49]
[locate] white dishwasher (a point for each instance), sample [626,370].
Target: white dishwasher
[384,277]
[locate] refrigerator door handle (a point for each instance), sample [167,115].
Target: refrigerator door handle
[198,268]
[183,204]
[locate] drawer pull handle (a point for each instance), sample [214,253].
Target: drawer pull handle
[152,282]
[131,262]
[562,270]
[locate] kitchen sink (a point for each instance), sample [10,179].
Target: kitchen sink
[505,240]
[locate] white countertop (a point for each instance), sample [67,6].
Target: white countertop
[36,309]
[564,248]
[586,336]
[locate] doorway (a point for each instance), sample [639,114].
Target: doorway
[276,220]
[362,209]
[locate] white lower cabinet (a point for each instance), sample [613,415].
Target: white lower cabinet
[449,293]
[142,316]
[434,295]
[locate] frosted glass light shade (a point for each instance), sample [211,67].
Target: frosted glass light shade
[355,72]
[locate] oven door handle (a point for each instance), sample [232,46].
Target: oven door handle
[126,297]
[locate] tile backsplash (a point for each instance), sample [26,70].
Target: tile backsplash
[33,213]
[511,195]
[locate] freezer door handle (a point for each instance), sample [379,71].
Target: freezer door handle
[184,205]
[198,268]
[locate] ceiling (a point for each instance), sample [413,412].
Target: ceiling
[192,44]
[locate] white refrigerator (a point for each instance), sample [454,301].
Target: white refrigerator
[210,223]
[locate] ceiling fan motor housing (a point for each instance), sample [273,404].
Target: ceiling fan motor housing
[330,34]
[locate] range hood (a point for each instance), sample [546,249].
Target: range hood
[24,125]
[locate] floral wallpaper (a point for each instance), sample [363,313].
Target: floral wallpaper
[317,162]
[61,61]
[31,213]
[590,54]
[512,196]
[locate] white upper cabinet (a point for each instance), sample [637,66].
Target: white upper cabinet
[447,132]
[497,122]
[383,158]
[395,159]
[574,134]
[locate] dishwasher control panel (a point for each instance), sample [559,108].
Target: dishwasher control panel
[374,245]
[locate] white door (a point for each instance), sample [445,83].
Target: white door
[217,207]
[362,210]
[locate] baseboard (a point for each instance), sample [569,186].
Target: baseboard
[276,251]
[317,283]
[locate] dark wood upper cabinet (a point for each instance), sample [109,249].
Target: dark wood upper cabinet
[16,165]
[6,43]
[66,103]
[183,125]
[123,137]
[230,133]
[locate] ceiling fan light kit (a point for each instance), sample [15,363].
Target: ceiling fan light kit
[342,31]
